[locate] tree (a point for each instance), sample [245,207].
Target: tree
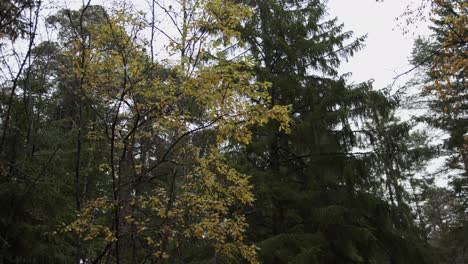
[123,151]
[442,63]
[448,70]
[314,200]
[34,166]
[165,188]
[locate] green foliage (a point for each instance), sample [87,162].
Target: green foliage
[241,148]
[309,183]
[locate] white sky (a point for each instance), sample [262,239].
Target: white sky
[387,48]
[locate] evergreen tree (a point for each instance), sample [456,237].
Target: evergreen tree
[37,158]
[314,194]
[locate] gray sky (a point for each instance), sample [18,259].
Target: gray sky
[387,48]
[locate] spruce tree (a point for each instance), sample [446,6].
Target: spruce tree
[314,194]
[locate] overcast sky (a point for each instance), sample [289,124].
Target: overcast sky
[387,48]
[385,56]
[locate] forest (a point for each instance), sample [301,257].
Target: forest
[222,131]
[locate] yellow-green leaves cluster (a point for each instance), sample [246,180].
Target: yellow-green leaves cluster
[206,208]
[451,65]
[162,186]
[91,224]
